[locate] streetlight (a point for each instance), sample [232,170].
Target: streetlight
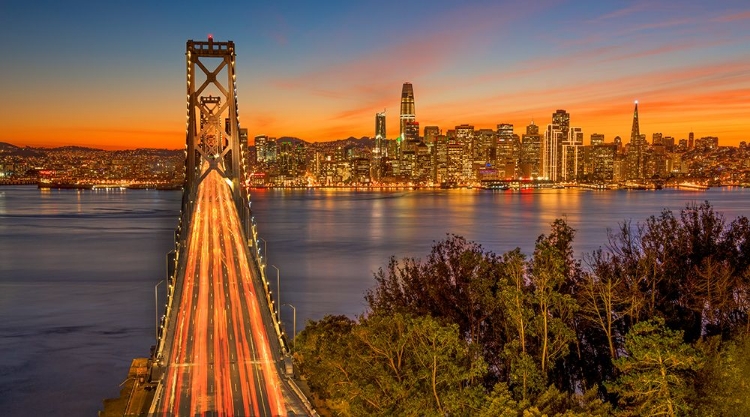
[294,325]
[265,246]
[278,290]
[156,309]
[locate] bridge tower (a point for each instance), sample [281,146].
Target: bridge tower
[213,130]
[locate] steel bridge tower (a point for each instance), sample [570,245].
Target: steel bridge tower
[213,127]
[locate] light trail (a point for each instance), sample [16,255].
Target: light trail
[220,361]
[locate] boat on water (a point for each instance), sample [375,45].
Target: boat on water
[691,186]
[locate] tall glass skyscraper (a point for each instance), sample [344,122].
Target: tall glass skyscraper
[407,108]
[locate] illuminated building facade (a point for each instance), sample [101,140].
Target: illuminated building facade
[530,160]
[408,111]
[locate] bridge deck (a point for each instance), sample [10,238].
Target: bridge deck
[220,357]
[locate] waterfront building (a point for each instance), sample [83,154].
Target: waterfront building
[441,159]
[530,159]
[551,151]
[431,134]
[572,167]
[455,161]
[603,162]
[465,137]
[485,149]
[508,150]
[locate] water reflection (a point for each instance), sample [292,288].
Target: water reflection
[329,242]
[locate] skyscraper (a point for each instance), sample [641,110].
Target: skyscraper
[261,148]
[636,149]
[561,118]
[635,131]
[572,156]
[531,152]
[557,134]
[551,150]
[407,107]
[380,125]
[379,150]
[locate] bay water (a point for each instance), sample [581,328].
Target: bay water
[79,269]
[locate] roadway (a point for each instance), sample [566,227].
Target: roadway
[219,359]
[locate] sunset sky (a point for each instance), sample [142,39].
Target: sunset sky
[111,74]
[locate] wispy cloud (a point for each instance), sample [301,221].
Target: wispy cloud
[620,13]
[731,17]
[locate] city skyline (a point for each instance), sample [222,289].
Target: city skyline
[112,76]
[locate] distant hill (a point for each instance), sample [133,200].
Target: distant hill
[5,146]
[292,139]
[74,148]
[351,140]
[9,148]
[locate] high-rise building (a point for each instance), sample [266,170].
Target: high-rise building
[508,149]
[691,140]
[380,149]
[430,133]
[380,125]
[597,139]
[668,142]
[603,160]
[261,148]
[572,156]
[657,139]
[551,152]
[637,149]
[485,146]
[561,118]
[408,112]
[635,131]
[441,159]
[556,135]
[465,137]
[530,159]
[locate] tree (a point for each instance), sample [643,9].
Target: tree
[321,359]
[458,282]
[390,365]
[657,372]
[554,310]
[603,300]
[724,388]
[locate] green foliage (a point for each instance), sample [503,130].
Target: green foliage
[656,374]
[724,380]
[468,332]
[391,365]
